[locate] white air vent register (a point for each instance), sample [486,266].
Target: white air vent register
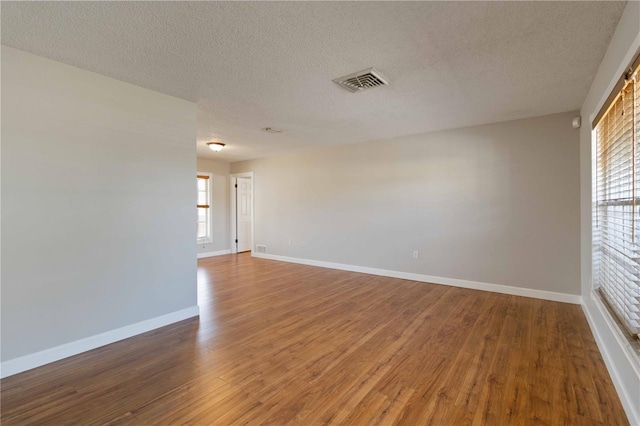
[362,80]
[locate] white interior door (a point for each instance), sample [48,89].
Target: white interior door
[244,196]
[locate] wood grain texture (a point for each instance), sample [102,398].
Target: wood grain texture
[280,343]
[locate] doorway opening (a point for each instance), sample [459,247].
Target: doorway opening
[241,203]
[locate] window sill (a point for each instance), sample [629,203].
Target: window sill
[204,241]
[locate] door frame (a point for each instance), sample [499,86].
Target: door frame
[232,211]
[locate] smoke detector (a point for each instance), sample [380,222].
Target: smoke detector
[361,80]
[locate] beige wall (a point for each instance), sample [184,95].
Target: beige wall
[497,204]
[623,365]
[219,205]
[97,205]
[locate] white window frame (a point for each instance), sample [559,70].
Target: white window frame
[207,239]
[615,319]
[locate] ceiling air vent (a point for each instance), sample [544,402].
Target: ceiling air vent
[362,80]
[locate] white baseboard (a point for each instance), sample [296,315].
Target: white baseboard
[213,253]
[37,359]
[495,288]
[617,370]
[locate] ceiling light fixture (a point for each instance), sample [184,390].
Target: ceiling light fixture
[272,130]
[215,146]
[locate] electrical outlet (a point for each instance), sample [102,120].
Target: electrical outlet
[290,241]
[416,254]
[303,243]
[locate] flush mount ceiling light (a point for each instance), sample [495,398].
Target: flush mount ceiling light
[272,130]
[215,146]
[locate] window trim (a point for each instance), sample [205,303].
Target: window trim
[606,106]
[615,92]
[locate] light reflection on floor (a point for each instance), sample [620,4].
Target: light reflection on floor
[207,304]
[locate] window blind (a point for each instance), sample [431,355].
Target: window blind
[616,216]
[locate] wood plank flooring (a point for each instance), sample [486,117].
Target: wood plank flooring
[279,343]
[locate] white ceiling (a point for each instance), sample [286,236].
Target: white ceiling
[250,65]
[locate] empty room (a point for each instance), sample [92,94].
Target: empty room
[309,213]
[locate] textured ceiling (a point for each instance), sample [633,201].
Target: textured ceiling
[250,65]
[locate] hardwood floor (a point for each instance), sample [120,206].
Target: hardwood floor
[280,343]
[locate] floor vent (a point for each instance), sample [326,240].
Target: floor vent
[361,80]
[261,248]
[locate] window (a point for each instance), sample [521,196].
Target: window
[616,201]
[204,200]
